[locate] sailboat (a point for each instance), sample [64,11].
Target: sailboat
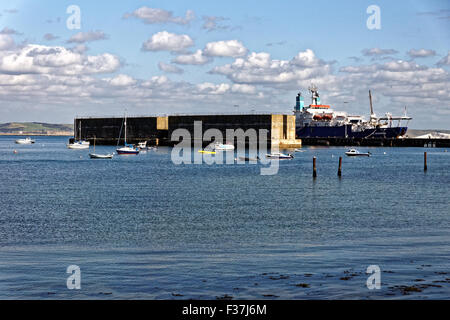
[79,144]
[100,156]
[127,148]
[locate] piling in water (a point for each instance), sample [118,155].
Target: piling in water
[340,167]
[425,168]
[314,167]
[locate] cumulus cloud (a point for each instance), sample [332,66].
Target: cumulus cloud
[11,11]
[378,52]
[196,58]
[82,37]
[421,53]
[7,30]
[39,59]
[122,80]
[166,41]
[445,61]
[155,15]
[243,88]
[50,37]
[279,43]
[169,68]
[207,87]
[260,68]
[212,23]
[355,59]
[230,48]
[6,42]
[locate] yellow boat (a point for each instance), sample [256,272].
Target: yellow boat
[208,152]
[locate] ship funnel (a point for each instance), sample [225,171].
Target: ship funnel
[299,103]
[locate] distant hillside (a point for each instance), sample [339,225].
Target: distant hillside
[415,133]
[36,128]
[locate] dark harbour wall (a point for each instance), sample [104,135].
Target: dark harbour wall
[106,131]
[159,130]
[222,123]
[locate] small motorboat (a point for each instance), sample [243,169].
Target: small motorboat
[279,156]
[142,145]
[79,145]
[25,141]
[223,147]
[356,153]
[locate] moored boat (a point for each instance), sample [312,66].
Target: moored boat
[356,153]
[25,141]
[321,121]
[79,143]
[279,156]
[223,147]
[100,156]
[127,148]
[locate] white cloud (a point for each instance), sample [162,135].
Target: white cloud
[212,23]
[259,68]
[243,88]
[122,80]
[50,37]
[6,42]
[196,58]
[230,48]
[207,87]
[445,61]
[170,68]
[56,60]
[155,15]
[82,37]
[7,30]
[166,41]
[421,53]
[378,52]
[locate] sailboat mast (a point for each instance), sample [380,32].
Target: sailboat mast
[125,129]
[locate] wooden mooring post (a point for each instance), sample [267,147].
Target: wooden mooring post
[314,168]
[340,167]
[425,167]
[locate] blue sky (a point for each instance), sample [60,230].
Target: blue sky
[246,58]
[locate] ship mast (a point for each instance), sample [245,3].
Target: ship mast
[373,116]
[314,94]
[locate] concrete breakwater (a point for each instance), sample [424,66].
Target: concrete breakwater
[272,129]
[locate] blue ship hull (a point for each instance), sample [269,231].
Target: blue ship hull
[345,131]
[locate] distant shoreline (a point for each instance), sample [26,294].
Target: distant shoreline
[57,134]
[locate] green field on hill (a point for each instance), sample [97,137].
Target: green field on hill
[34,128]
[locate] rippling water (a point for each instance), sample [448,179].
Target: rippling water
[142,227]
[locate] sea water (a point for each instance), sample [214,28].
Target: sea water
[141,227]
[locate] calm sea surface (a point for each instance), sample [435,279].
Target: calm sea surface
[142,227]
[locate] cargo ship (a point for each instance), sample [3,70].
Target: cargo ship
[321,121]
